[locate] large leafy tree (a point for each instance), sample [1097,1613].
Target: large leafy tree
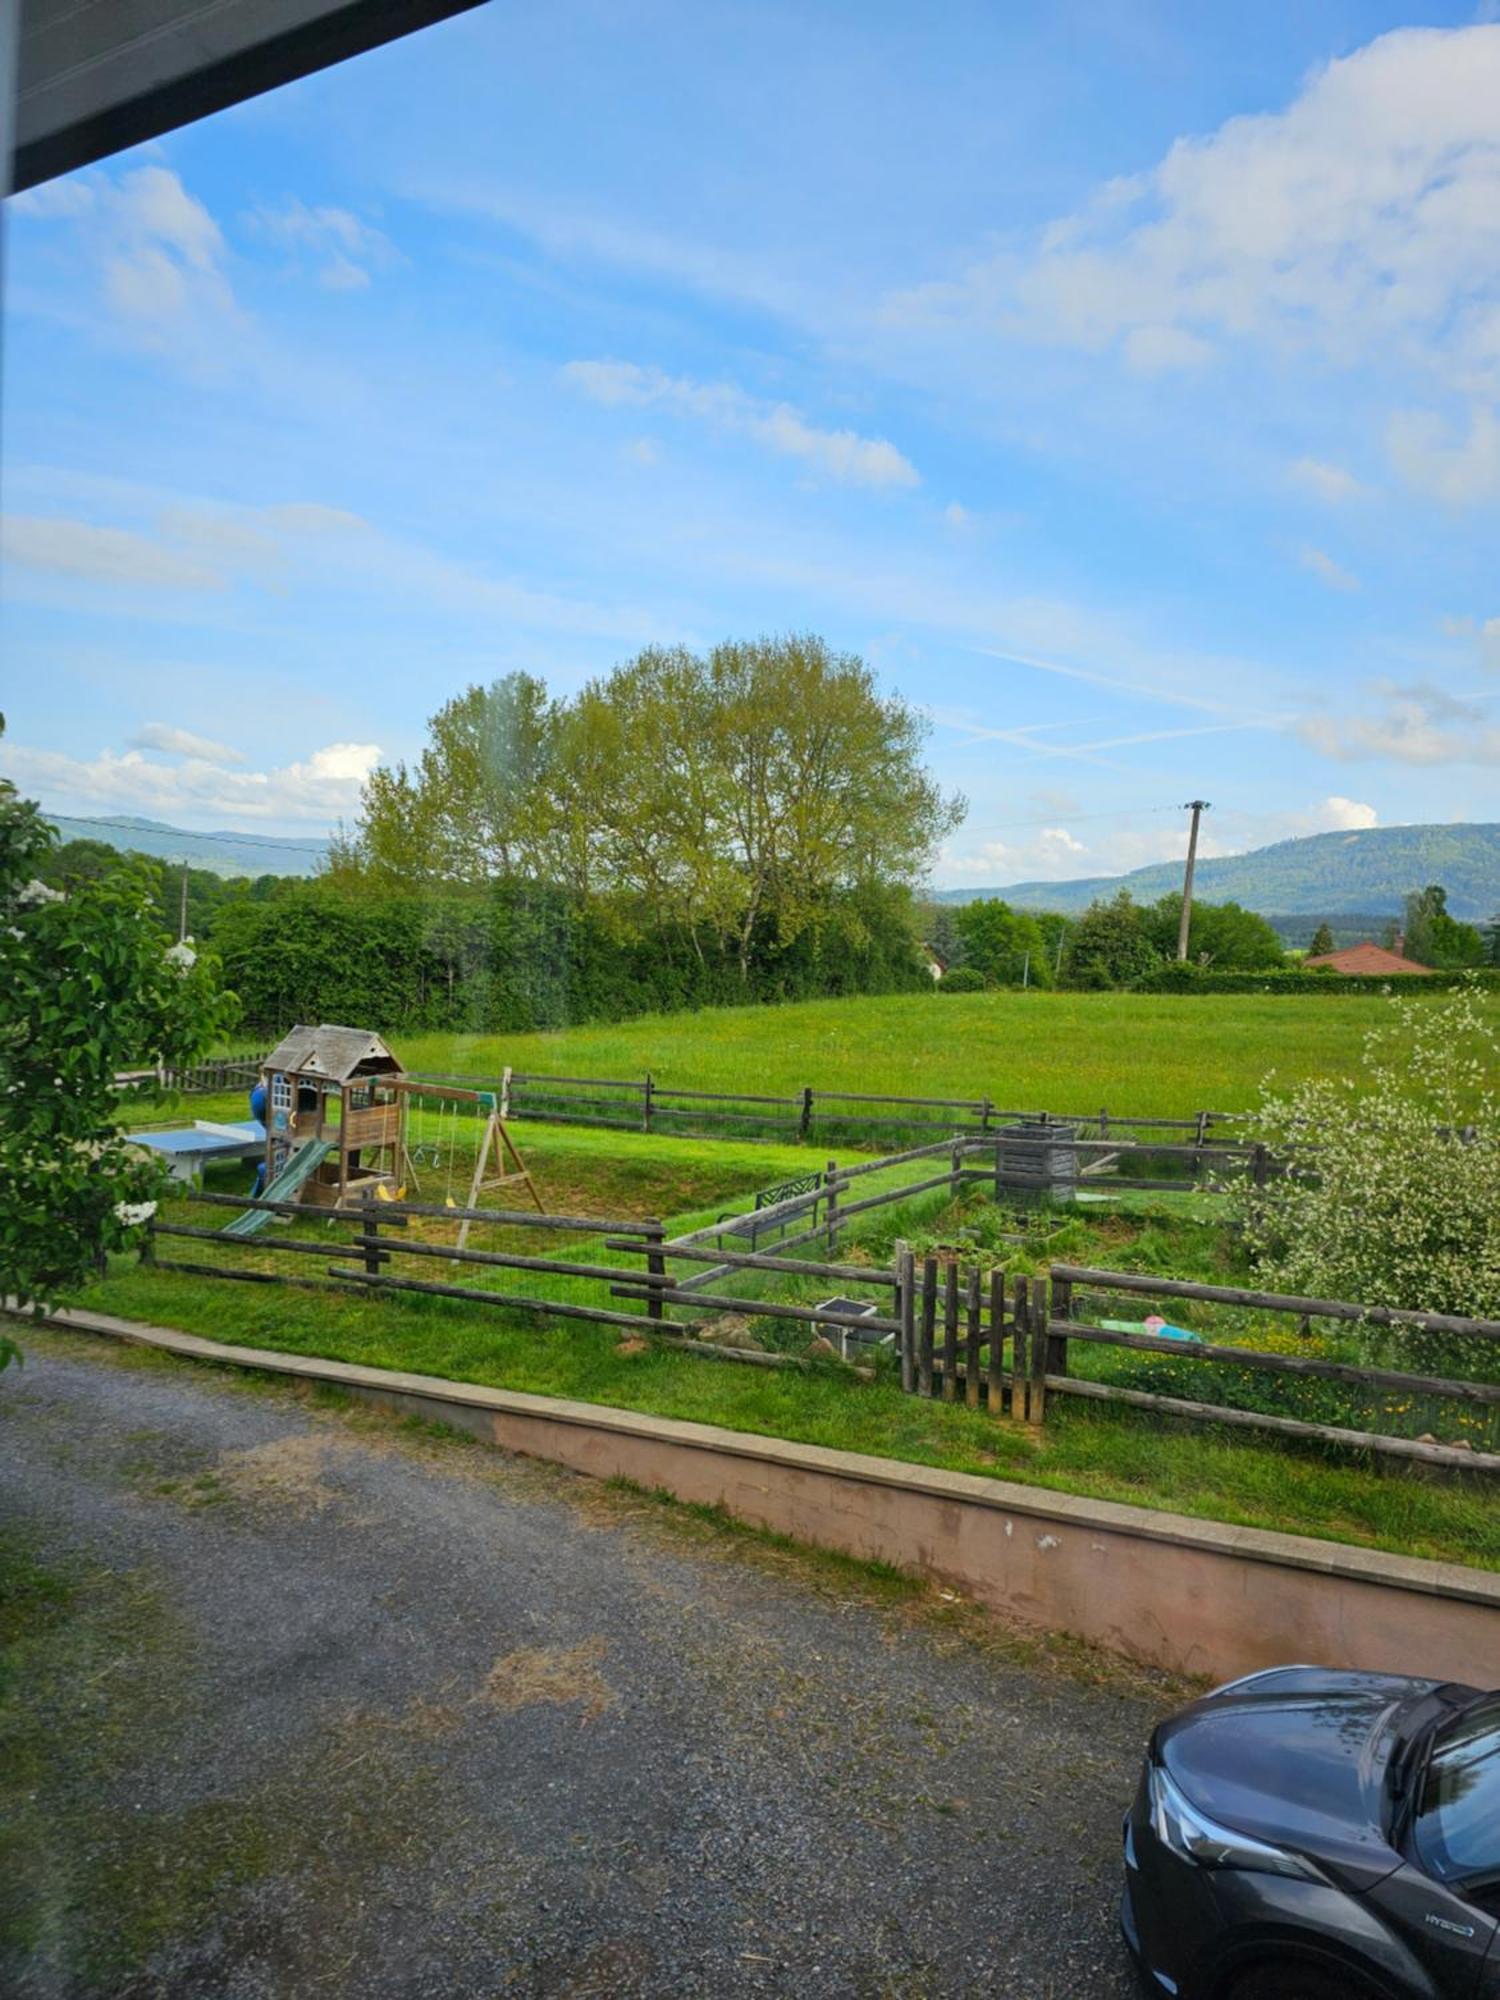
[89,985]
[731,797]
[1006,945]
[1109,945]
[1434,937]
[1222,936]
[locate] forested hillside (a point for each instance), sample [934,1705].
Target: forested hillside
[1322,875]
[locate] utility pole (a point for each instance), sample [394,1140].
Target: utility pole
[1197,807]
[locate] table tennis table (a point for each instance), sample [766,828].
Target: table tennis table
[188,1149]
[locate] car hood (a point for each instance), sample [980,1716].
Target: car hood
[1299,1757]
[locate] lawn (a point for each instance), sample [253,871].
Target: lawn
[1147,1055]
[1109,1453]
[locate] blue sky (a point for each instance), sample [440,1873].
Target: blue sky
[1123,381]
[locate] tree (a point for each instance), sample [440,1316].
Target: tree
[726,801]
[1109,945]
[1221,935]
[1005,944]
[1322,941]
[1433,937]
[89,984]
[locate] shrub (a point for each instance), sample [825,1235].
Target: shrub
[1394,1194]
[961,979]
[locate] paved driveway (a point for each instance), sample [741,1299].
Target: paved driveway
[324,1705]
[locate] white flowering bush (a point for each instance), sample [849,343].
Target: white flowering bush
[86,988]
[1393,1197]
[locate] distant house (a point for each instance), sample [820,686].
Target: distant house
[1372,960]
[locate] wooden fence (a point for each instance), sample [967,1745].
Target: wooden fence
[810,1114]
[1062,1324]
[199,1079]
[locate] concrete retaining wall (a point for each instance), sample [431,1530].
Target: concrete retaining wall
[1189,1595]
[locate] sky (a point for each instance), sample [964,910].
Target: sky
[1121,381]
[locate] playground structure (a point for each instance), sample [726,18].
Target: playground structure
[336,1105]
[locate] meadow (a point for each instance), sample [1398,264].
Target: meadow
[1146,1055]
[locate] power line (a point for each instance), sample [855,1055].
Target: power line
[1068,818]
[184,833]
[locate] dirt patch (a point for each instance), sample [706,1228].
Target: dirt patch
[286,1472]
[550,1674]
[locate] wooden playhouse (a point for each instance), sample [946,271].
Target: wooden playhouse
[335,1115]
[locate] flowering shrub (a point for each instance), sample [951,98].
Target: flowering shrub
[1394,1194]
[88,986]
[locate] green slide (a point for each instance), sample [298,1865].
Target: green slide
[298,1168]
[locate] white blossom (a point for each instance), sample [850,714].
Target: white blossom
[36,893]
[182,956]
[133,1213]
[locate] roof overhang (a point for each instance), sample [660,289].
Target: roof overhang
[95,76]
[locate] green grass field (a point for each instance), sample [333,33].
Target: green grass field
[1146,1055]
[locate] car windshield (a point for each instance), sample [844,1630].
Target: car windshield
[1457,1824]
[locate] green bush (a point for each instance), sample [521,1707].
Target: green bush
[1392,1197]
[1176,977]
[962,979]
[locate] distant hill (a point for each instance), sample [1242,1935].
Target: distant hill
[1318,876]
[221,853]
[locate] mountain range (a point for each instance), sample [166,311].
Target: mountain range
[220,853]
[1320,875]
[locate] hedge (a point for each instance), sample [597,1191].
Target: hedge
[1176,977]
[524,957]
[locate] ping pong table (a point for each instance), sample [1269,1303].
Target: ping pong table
[188,1149]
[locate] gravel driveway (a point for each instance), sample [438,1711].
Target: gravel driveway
[318,1703]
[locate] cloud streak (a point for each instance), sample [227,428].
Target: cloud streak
[841,455]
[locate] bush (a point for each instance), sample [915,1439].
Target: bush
[1176,977]
[962,979]
[1394,1194]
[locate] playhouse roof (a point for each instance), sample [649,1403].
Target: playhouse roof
[335,1053]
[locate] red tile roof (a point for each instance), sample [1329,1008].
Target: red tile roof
[1367,958]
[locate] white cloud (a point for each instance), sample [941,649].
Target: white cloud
[1340,815]
[1364,212]
[315,791]
[1325,569]
[1160,350]
[165,736]
[1327,482]
[343,250]
[1457,470]
[842,455]
[1420,724]
[956,516]
[94,554]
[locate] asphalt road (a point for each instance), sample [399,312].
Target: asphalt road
[330,1707]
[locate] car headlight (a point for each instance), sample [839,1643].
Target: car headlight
[1192,1836]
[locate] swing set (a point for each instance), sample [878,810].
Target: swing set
[497,1163]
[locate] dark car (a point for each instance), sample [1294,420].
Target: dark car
[1310,1835]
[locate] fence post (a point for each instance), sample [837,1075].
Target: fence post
[370,1227]
[656,1266]
[996,1385]
[984,1115]
[929,1322]
[804,1122]
[1061,1308]
[1260,1165]
[505,1092]
[831,1210]
[999,1170]
[1020,1358]
[950,1334]
[906,1313]
[646,1103]
[971,1342]
[1036,1322]
[956,1178]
